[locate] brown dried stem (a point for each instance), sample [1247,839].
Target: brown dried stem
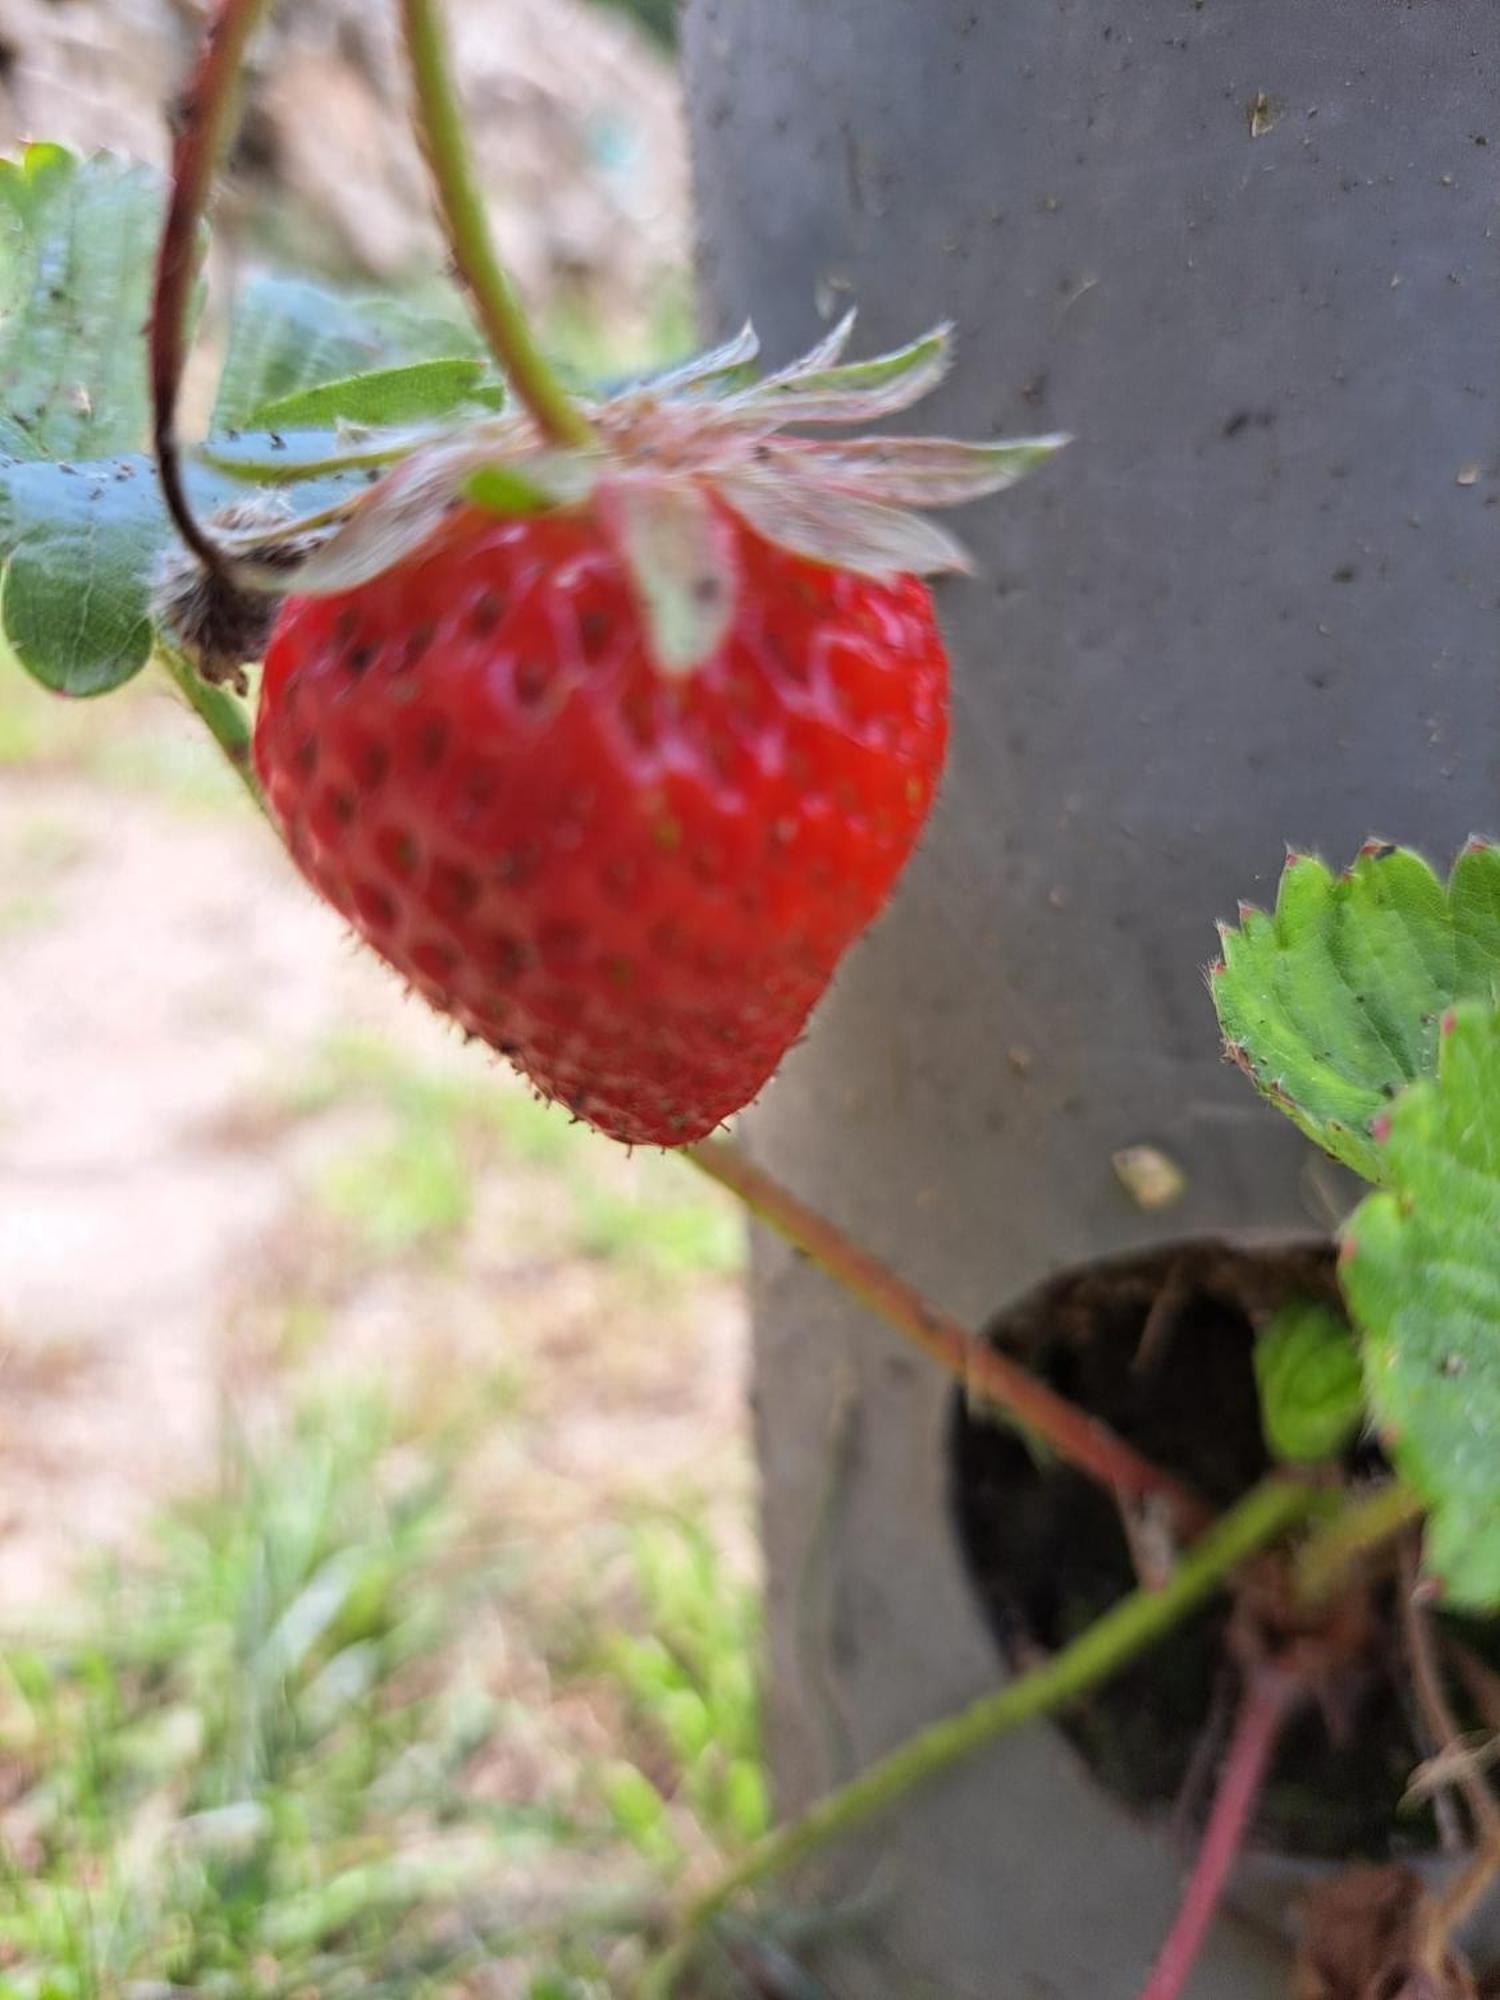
[991,1377]
[205,117]
[1448,1910]
[1432,1701]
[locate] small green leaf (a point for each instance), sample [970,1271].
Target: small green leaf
[1332,1003]
[76,247]
[501,489]
[288,335]
[417,392]
[549,479]
[1307,1371]
[638,1811]
[1421,1271]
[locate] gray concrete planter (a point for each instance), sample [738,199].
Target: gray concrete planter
[1247,254]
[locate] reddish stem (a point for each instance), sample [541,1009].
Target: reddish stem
[1074,1435]
[203,119]
[1269,1698]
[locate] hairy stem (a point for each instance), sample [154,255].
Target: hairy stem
[1269,1698]
[1133,1625]
[224,718]
[1074,1435]
[205,115]
[440,128]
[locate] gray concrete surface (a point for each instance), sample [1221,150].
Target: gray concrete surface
[1247,254]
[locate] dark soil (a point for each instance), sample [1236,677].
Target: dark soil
[1160,1347]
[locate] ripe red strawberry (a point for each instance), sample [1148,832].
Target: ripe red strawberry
[615,783]
[634,886]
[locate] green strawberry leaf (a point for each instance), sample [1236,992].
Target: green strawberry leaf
[77,239]
[288,335]
[82,526]
[1307,1372]
[415,393]
[82,544]
[1420,1267]
[1332,1003]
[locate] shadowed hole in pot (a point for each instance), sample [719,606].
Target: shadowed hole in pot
[1160,1347]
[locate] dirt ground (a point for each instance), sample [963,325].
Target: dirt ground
[234,1157]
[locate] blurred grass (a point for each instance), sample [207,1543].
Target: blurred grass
[333,1733]
[142,739]
[262,1761]
[408,1181]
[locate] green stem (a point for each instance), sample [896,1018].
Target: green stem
[1134,1624]
[441,130]
[1356,1531]
[223,716]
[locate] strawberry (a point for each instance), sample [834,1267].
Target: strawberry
[613,753]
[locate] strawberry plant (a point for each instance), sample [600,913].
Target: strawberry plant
[609,721]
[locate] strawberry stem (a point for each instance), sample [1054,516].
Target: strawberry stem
[204,119]
[219,712]
[1134,1624]
[440,129]
[1371,1521]
[989,1376]
[1269,1698]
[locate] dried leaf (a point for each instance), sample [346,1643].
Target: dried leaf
[839,528]
[919,472]
[1362,1936]
[486,465]
[820,356]
[708,370]
[859,391]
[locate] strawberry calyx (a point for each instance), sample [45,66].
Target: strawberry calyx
[665,458]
